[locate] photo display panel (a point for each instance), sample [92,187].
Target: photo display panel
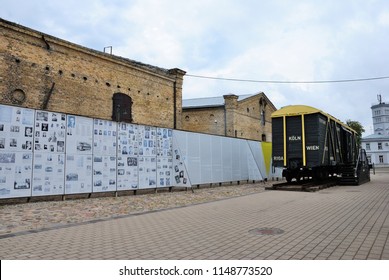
[164,142]
[79,135]
[104,155]
[78,175]
[147,140]
[127,161]
[48,174]
[16,128]
[164,157]
[49,153]
[50,131]
[16,147]
[147,158]
[147,172]
[15,174]
[164,172]
[104,137]
[79,159]
[104,173]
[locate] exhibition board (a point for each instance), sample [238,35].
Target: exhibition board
[49,153]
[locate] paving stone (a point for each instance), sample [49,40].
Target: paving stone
[342,224]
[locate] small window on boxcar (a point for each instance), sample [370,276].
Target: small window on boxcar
[121,107]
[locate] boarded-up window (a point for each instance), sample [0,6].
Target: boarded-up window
[121,108]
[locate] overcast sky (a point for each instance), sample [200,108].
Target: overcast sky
[261,40]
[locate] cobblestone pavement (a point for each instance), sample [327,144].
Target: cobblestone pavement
[48,214]
[342,222]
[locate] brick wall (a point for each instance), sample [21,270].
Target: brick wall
[242,119]
[43,72]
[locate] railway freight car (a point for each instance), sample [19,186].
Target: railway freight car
[309,143]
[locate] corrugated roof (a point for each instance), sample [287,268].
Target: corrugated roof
[205,102]
[376,136]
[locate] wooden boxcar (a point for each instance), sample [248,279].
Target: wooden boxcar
[308,142]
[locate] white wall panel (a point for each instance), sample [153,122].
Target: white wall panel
[214,159]
[193,157]
[227,159]
[256,150]
[243,154]
[217,159]
[206,158]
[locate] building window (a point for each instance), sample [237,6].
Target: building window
[263,120]
[379,146]
[368,146]
[121,107]
[381,159]
[264,137]
[187,118]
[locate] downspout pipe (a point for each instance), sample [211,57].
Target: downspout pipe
[175,104]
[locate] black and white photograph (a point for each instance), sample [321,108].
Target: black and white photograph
[71,121]
[42,116]
[28,131]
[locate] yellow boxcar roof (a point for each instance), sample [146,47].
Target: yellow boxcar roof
[297,110]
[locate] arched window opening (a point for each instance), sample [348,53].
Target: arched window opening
[121,108]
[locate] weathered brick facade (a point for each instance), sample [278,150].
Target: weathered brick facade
[248,117]
[43,72]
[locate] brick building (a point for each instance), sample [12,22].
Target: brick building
[44,72]
[245,116]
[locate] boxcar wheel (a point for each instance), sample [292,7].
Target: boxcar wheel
[288,178]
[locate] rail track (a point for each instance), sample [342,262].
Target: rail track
[304,186]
